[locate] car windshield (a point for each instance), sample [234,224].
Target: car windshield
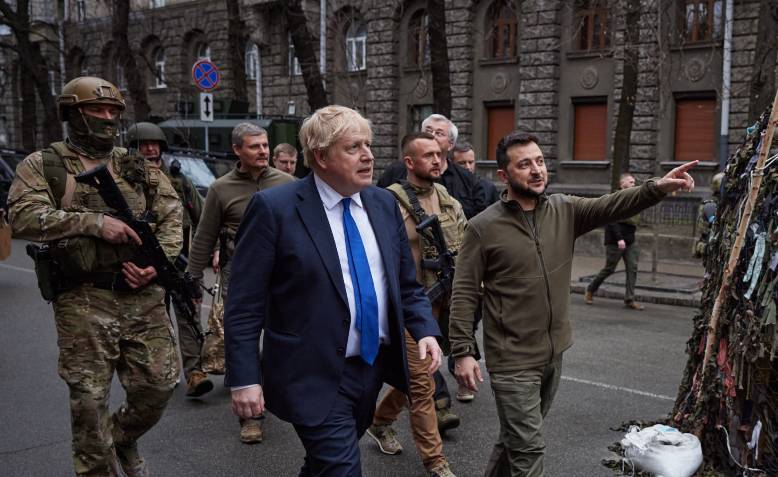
[194,168]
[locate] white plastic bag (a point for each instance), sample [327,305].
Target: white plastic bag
[662,451]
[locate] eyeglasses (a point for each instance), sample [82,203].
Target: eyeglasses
[436,132]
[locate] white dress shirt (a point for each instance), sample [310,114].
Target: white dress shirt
[333,206]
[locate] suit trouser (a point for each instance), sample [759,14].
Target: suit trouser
[424,422]
[523,399]
[100,332]
[332,447]
[612,257]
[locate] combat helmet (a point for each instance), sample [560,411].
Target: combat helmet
[144,131]
[88,90]
[715,182]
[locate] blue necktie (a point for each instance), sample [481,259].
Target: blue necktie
[364,291]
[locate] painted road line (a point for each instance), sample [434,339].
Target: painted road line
[619,388]
[18,269]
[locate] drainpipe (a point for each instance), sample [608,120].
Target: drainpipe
[323,38]
[726,86]
[62,55]
[258,81]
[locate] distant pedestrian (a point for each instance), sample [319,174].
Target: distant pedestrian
[285,158]
[464,155]
[521,250]
[620,244]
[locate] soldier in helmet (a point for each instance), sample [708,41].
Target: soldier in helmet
[150,141]
[109,312]
[707,214]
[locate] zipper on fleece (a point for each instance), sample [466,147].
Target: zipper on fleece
[533,229]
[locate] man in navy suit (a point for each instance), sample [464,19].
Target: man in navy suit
[323,266]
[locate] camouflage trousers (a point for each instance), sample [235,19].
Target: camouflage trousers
[101,332]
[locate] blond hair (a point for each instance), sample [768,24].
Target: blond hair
[324,127]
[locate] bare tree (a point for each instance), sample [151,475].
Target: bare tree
[629,87]
[235,32]
[34,69]
[441,75]
[133,75]
[304,41]
[763,69]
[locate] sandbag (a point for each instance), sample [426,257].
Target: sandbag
[662,451]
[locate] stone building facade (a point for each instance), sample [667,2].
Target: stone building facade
[549,67]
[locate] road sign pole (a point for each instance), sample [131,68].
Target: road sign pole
[206,137]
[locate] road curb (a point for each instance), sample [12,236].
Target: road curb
[678,299]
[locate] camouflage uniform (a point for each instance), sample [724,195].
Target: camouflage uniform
[102,330]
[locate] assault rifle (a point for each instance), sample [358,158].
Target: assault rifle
[443,264]
[183,289]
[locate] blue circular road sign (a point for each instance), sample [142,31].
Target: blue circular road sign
[205,75]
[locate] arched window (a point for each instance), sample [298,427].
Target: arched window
[252,60]
[159,68]
[501,31]
[356,46]
[418,39]
[203,51]
[591,25]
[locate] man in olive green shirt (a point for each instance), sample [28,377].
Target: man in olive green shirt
[225,204]
[521,249]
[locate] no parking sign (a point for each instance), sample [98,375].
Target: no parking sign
[206,75]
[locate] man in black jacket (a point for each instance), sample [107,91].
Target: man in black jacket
[620,244]
[460,183]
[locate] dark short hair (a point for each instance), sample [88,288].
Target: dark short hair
[511,139]
[462,147]
[409,138]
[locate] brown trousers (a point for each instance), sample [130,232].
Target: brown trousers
[424,422]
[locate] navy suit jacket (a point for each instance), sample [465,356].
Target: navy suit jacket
[286,280]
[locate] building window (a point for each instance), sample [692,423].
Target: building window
[500,121]
[590,131]
[294,63]
[203,51]
[121,82]
[501,31]
[157,3]
[418,39]
[159,68]
[701,20]
[80,10]
[695,129]
[356,46]
[53,82]
[417,114]
[591,25]
[252,62]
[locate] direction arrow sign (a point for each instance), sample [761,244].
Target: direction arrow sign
[206,107]
[205,75]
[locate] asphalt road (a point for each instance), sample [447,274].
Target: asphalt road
[624,365]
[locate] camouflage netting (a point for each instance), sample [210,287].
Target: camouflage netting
[734,404]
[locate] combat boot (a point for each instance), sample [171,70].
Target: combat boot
[588,297]
[132,463]
[197,384]
[250,431]
[446,419]
[442,470]
[386,439]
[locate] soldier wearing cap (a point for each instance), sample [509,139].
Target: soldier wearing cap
[109,311]
[150,141]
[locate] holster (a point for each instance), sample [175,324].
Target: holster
[47,271]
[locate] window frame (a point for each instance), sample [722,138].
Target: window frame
[159,68]
[294,68]
[586,14]
[495,29]
[356,46]
[418,39]
[713,25]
